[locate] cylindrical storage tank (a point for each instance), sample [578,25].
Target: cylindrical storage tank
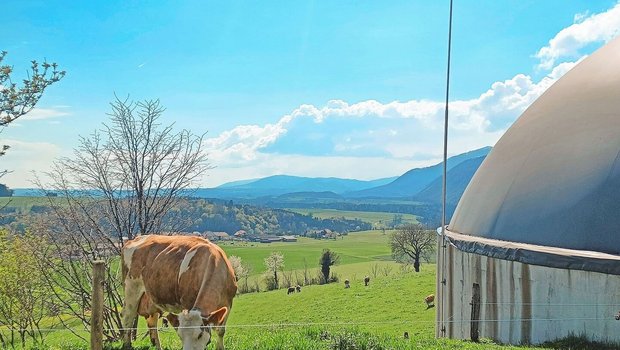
[538,226]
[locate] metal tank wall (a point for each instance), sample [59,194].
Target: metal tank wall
[521,303]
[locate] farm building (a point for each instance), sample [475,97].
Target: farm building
[217,236]
[537,229]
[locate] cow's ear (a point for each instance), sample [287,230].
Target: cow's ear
[217,316]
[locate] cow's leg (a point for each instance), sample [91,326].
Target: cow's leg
[220,331]
[133,292]
[151,322]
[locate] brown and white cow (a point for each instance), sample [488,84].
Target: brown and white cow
[187,276]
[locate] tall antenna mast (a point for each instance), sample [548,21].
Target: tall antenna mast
[442,284]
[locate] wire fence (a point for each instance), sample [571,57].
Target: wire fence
[329,324]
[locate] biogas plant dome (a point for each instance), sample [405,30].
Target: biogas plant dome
[549,192]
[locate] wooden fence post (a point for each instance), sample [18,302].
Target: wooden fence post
[475,312]
[96,318]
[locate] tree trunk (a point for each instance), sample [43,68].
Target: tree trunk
[325,272]
[416,264]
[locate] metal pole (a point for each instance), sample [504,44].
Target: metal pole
[96,318]
[442,284]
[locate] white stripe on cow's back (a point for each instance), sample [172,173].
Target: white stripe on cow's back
[130,248]
[185,263]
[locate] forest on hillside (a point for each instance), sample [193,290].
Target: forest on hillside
[210,215]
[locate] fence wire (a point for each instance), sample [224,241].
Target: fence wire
[330,324]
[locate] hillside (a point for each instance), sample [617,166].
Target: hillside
[458,179]
[415,180]
[280,184]
[199,215]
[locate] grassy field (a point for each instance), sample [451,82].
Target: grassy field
[377,219]
[328,317]
[24,204]
[354,248]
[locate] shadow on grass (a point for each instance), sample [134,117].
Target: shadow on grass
[574,342]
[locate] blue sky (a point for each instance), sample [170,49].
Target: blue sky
[348,89]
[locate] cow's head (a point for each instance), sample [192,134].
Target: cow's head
[195,329]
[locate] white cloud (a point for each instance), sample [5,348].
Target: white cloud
[596,28]
[23,158]
[384,139]
[46,113]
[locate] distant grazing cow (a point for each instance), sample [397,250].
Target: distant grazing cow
[347,284]
[298,288]
[290,290]
[187,276]
[406,335]
[366,280]
[430,301]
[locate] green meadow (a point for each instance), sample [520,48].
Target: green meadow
[327,317]
[356,247]
[377,219]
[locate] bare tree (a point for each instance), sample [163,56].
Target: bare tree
[121,181]
[374,270]
[307,278]
[411,243]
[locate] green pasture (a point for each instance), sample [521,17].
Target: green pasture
[325,317]
[377,219]
[356,247]
[24,204]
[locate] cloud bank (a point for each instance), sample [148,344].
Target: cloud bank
[597,28]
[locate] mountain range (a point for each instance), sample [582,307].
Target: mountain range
[420,184]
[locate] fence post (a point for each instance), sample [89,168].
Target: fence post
[96,318]
[475,312]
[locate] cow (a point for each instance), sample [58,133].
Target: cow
[298,288]
[290,290]
[366,280]
[187,276]
[430,301]
[347,284]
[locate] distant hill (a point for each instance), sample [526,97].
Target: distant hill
[310,195]
[458,179]
[281,184]
[236,183]
[416,180]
